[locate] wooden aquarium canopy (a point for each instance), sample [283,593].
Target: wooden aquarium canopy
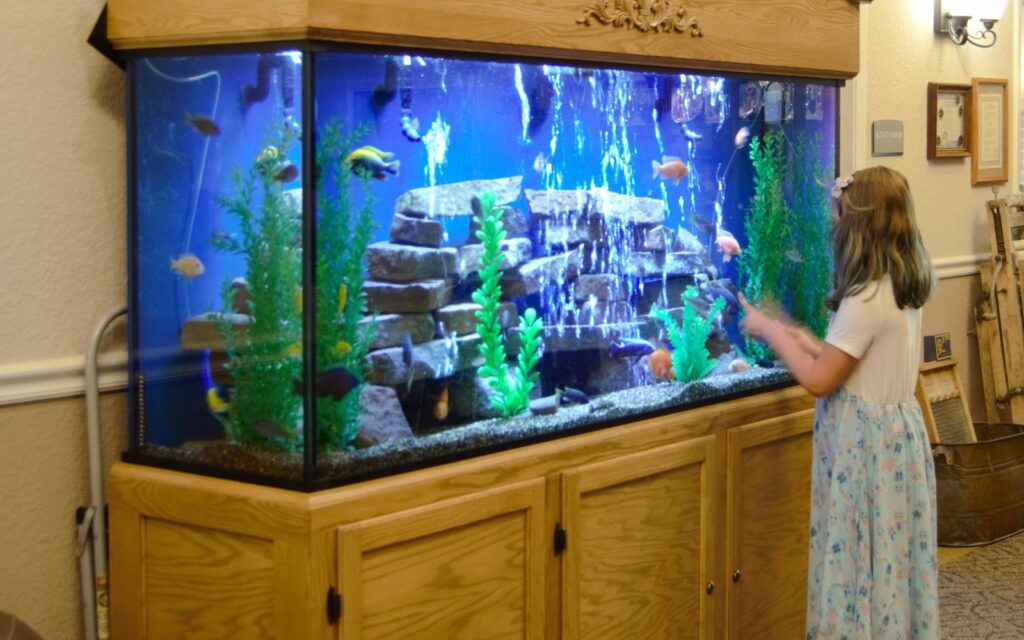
[810,38]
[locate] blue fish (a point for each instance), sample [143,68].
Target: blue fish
[568,395]
[630,348]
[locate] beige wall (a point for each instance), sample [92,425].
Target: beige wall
[62,229]
[900,55]
[62,258]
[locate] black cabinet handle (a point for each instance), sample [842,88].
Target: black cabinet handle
[736,575]
[711,587]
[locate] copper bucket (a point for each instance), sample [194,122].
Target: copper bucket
[980,486]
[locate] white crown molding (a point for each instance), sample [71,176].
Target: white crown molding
[59,378]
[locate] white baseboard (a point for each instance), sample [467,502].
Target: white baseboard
[59,378]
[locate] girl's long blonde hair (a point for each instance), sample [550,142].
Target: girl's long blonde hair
[875,235]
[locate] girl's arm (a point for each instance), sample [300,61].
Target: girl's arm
[808,342]
[821,373]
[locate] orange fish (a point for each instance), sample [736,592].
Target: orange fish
[728,245]
[660,363]
[441,408]
[671,168]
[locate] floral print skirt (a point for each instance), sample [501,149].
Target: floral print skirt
[872,571]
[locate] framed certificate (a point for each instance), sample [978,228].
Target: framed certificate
[990,131]
[949,117]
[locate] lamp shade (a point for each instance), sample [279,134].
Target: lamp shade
[986,9]
[961,7]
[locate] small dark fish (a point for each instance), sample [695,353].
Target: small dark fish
[630,348]
[272,430]
[203,125]
[288,173]
[384,92]
[540,94]
[407,360]
[474,204]
[568,395]
[703,224]
[721,292]
[766,364]
[333,382]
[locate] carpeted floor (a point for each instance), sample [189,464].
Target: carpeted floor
[981,594]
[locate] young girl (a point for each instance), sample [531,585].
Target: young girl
[872,571]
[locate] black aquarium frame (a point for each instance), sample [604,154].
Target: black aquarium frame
[127,59]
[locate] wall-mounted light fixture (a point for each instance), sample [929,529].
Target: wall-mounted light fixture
[952,17]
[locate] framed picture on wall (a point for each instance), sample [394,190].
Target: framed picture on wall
[949,117]
[990,130]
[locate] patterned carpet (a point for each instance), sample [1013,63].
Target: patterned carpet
[981,594]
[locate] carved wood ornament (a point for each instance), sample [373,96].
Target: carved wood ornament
[642,15]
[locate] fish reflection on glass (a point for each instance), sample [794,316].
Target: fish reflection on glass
[670,168]
[702,223]
[727,244]
[187,266]
[203,125]
[742,137]
[272,430]
[373,162]
[287,174]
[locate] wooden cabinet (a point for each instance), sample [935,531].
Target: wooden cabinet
[657,516]
[463,569]
[768,497]
[637,559]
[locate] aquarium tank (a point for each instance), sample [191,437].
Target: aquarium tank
[349,263]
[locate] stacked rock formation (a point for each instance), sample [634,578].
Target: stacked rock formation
[592,263]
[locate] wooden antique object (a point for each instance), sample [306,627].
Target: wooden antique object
[688,525]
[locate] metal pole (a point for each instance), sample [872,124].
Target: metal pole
[97,498]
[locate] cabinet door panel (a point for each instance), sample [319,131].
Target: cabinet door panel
[468,568]
[637,557]
[769,488]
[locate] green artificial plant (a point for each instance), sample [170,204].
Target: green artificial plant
[767,225]
[342,236]
[258,354]
[510,396]
[691,359]
[809,259]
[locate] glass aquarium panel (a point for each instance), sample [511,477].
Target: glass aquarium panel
[217,163]
[505,251]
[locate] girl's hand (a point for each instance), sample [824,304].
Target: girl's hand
[755,322]
[807,341]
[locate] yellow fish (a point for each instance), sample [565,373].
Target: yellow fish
[342,297]
[214,401]
[294,350]
[383,155]
[298,300]
[342,348]
[187,266]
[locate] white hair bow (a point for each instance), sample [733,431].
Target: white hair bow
[841,183]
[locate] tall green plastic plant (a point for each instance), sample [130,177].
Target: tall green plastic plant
[691,359]
[510,397]
[767,227]
[342,237]
[258,358]
[807,274]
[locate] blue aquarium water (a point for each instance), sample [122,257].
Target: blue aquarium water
[504,251]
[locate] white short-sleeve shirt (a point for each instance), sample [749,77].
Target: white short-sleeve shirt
[884,338]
